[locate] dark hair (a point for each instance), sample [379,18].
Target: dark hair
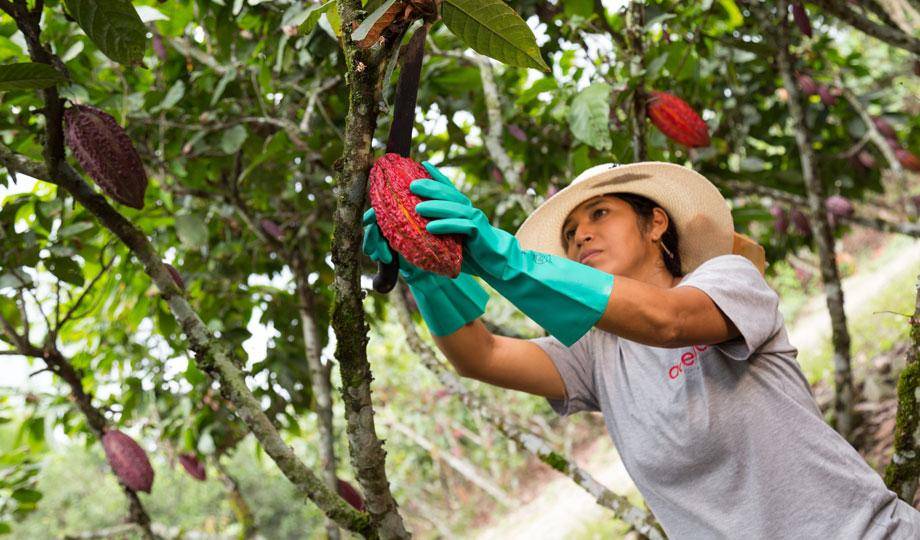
[643,207]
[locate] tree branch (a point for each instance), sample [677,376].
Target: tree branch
[641,520]
[891,36]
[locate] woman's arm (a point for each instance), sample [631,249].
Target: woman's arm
[511,363]
[659,317]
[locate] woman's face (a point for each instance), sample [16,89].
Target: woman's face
[604,233]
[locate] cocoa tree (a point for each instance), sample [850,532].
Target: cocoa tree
[257,125]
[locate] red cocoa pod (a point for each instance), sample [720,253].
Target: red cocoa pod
[865,159]
[159,48]
[883,127]
[128,460]
[677,120]
[516,132]
[780,219]
[497,175]
[839,206]
[801,18]
[800,222]
[828,95]
[402,226]
[350,494]
[272,229]
[907,159]
[106,153]
[807,84]
[177,277]
[193,466]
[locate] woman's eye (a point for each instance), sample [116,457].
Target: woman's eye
[595,213]
[569,233]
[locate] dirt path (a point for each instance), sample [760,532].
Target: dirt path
[813,326]
[562,508]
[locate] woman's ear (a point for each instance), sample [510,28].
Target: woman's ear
[660,222]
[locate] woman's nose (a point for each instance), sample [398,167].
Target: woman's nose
[582,235]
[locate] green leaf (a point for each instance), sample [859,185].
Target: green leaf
[305,16]
[228,77]
[582,8]
[172,97]
[335,21]
[28,76]
[233,139]
[75,228]
[492,28]
[655,66]
[5,528]
[589,116]
[66,270]
[735,18]
[27,495]
[191,230]
[114,26]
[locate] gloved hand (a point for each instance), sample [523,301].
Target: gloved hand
[445,304]
[563,296]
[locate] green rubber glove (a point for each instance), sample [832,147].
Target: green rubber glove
[445,304]
[563,296]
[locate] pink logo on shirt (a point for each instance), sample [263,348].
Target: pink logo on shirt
[686,360]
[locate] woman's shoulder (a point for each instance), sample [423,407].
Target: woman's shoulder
[729,261]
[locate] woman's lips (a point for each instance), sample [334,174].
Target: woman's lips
[589,255]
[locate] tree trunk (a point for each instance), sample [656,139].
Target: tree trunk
[902,473]
[844,416]
[368,457]
[321,387]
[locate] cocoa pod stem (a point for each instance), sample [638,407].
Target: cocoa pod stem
[387,273]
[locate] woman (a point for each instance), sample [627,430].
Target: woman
[677,341]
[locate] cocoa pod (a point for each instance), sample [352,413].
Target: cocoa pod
[193,466]
[677,120]
[159,48]
[907,159]
[865,159]
[272,229]
[780,219]
[883,127]
[402,226]
[838,206]
[517,132]
[497,175]
[128,460]
[828,95]
[551,190]
[801,18]
[807,84]
[106,153]
[177,277]
[350,494]
[800,222]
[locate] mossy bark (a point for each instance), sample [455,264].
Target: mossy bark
[902,473]
[368,457]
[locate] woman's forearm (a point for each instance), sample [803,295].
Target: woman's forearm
[468,349]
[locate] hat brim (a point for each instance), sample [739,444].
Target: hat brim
[700,213]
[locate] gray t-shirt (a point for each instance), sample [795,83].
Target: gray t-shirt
[726,440]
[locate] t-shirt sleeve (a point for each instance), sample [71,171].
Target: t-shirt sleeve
[738,289]
[575,365]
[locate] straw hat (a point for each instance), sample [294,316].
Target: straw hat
[700,213]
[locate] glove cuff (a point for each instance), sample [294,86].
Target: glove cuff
[563,296]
